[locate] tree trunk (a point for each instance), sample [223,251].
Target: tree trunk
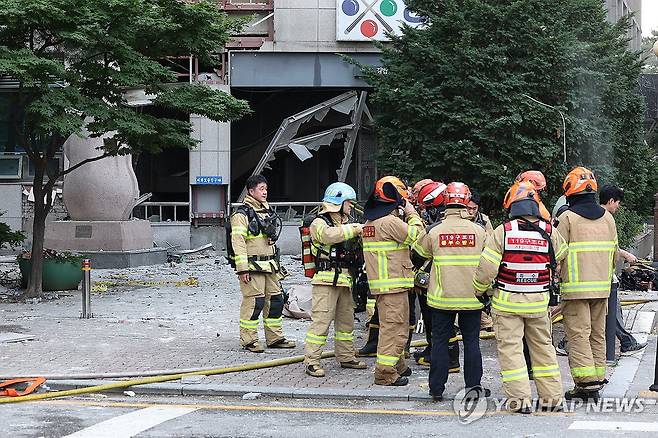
[41,210]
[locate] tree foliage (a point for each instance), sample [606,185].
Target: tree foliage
[74,60]
[453,97]
[8,236]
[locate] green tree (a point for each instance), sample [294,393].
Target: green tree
[453,98]
[73,59]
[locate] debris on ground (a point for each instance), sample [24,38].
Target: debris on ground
[251,396]
[103,285]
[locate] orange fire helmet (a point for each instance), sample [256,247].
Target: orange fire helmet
[432,195]
[395,181]
[518,192]
[580,181]
[457,193]
[535,177]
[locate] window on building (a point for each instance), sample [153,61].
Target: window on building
[7,115]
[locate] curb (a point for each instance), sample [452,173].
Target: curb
[217,390]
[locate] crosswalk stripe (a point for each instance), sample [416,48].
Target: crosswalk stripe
[614,425]
[129,425]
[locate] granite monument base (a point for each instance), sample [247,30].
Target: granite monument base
[110,244]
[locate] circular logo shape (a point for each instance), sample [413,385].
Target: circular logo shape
[369,28]
[470,405]
[411,17]
[388,8]
[350,7]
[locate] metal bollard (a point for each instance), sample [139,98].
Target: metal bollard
[86,289]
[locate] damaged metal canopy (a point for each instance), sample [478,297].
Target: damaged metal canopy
[351,103]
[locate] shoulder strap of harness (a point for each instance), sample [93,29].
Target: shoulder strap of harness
[431,226]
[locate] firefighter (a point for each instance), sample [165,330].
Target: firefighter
[370,348]
[521,256]
[454,247]
[254,230]
[586,273]
[331,234]
[386,241]
[431,202]
[538,181]
[486,322]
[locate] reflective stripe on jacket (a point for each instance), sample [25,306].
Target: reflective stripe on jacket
[587,270]
[386,243]
[454,246]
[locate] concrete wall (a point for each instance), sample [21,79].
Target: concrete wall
[167,234]
[308,26]
[11,205]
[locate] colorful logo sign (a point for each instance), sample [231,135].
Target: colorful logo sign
[365,20]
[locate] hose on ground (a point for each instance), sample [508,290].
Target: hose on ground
[209,372]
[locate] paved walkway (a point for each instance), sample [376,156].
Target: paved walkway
[140,328]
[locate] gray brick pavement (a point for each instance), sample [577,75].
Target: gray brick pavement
[168,327]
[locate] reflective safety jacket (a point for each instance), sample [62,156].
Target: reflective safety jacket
[386,243]
[253,253]
[587,270]
[454,246]
[517,258]
[323,236]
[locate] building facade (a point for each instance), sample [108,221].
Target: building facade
[296,63]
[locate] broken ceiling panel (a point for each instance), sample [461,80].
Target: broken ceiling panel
[325,140]
[300,150]
[345,106]
[320,115]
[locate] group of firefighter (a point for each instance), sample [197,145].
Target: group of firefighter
[430,242]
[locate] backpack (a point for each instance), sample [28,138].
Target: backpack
[308,259]
[230,252]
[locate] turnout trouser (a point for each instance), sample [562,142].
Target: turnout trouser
[373,322]
[584,322]
[330,304]
[261,295]
[393,310]
[443,322]
[511,331]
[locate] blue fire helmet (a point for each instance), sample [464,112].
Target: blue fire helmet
[339,192]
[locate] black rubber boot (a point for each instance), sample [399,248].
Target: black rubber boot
[584,394]
[370,349]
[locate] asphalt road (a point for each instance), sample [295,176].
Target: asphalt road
[203,417]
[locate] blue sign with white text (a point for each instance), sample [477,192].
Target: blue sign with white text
[209,180]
